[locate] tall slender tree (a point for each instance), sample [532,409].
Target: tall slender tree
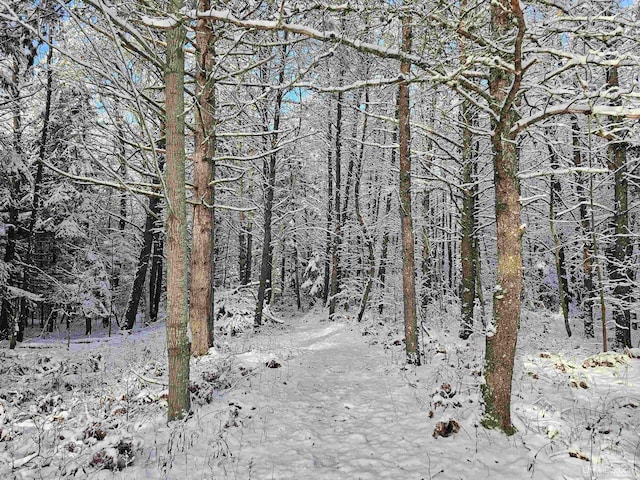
[200,289]
[507,25]
[177,296]
[406,219]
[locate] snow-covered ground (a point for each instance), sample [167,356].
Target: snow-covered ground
[312,399]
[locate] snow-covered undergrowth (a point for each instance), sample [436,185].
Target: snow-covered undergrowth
[316,399]
[98,409]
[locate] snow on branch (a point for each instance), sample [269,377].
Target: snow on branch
[576,108]
[563,171]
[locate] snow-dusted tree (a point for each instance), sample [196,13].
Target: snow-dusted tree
[406,219]
[17,54]
[177,293]
[200,313]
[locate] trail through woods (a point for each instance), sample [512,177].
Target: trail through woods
[336,408]
[342,405]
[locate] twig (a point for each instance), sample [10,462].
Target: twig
[149,380]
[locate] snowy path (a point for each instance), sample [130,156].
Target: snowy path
[338,408]
[334,408]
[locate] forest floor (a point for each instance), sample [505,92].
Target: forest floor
[313,399]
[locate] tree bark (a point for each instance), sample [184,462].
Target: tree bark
[200,288]
[501,342]
[406,220]
[178,315]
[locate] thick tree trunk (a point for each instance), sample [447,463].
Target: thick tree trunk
[406,220]
[200,288]
[501,341]
[178,314]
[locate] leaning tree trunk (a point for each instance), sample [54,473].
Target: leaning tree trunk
[141,270]
[502,338]
[178,314]
[200,289]
[365,231]
[406,220]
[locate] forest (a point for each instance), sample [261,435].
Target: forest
[319,239]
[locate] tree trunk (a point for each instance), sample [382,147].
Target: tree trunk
[178,314]
[382,269]
[37,181]
[242,240]
[328,258]
[561,269]
[7,313]
[618,259]
[587,247]
[264,289]
[467,243]
[337,234]
[365,232]
[501,342]
[200,288]
[406,220]
[155,276]
[141,270]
